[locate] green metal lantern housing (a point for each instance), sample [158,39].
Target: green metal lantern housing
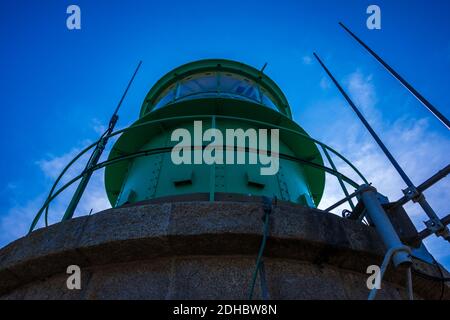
[225,95]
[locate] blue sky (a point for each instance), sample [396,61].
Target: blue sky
[58,87]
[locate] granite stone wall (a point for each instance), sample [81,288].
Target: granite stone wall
[203,250]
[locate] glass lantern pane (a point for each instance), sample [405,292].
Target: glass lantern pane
[234,84]
[267,99]
[166,97]
[202,83]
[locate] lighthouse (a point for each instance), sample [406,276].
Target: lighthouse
[215,194]
[239,103]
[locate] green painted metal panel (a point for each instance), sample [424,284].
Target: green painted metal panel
[156,175]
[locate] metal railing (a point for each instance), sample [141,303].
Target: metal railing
[54,192]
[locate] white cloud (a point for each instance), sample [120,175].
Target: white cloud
[16,222]
[11,186]
[52,165]
[420,151]
[307,60]
[98,126]
[362,92]
[325,83]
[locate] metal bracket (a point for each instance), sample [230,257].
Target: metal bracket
[411,193]
[434,225]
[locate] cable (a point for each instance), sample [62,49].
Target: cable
[442,279]
[267,210]
[429,277]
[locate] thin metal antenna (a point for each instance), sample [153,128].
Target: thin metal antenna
[366,124]
[264,67]
[96,154]
[435,224]
[411,89]
[126,90]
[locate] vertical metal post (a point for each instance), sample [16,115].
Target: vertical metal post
[350,202]
[411,89]
[383,225]
[212,172]
[96,155]
[411,191]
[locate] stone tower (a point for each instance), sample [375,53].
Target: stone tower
[194,230]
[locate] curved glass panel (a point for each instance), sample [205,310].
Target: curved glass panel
[232,83]
[267,100]
[166,97]
[213,84]
[198,83]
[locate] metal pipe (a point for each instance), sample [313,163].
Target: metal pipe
[342,201]
[96,155]
[383,225]
[410,88]
[60,177]
[368,127]
[341,183]
[411,191]
[441,174]
[146,123]
[127,88]
[386,260]
[84,181]
[435,224]
[147,152]
[427,232]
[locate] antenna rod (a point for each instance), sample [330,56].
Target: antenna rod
[96,154]
[126,90]
[264,67]
[418,96]
[435,224]
[367,125]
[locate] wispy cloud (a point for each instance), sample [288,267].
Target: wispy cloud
[362,91]
[98,126]
[324,83]
[419,150]
[307,60]
[16,222]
